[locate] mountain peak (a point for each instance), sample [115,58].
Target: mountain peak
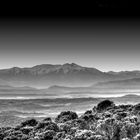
[71,65]
[68,74]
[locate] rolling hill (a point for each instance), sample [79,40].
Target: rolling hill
[133,83]
[69,74]
[46,75]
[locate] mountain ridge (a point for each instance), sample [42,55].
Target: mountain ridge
[66,66]
[68,74]
[48,74]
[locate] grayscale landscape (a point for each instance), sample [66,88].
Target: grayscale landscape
[76,88]
[74,79]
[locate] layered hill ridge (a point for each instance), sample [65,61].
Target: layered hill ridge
[127,83]
[69,74]
[46,75]
[49,68]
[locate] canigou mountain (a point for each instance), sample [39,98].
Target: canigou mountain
[46,75]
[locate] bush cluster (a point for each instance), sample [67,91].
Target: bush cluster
[106,121]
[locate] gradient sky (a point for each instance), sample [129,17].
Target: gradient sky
[106,44]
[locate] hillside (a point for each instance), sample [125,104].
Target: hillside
[105,121]
[46,75]
[133,83]
[19,109]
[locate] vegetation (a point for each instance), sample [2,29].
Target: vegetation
[106,121]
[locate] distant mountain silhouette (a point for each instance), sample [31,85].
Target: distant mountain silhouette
[127,83]
[46,75]
[130,96]
[12,88]
[127,74]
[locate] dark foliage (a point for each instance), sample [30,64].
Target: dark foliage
[47,126]
[48,135]
[104,105]
[136,108]
[30,122]
[104,122]
[66,116]
[26,130]
[47,119]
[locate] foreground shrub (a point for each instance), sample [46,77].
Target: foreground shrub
[137,137]
[88,117]
[81,124]
[47,126]
[26,130]
[104,105]
[30,122]
[83,134]
[129,130]
[25,137]
[105,122]
[48,135]
[136,109]
[11,138]
[47,119]
[66,116]
[88,112]
[59,136]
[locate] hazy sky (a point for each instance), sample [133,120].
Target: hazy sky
[106,44]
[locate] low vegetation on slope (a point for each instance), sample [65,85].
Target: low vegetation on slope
[106,121]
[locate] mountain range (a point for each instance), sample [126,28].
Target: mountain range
[69,74]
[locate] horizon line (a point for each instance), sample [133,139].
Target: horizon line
[21,67]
